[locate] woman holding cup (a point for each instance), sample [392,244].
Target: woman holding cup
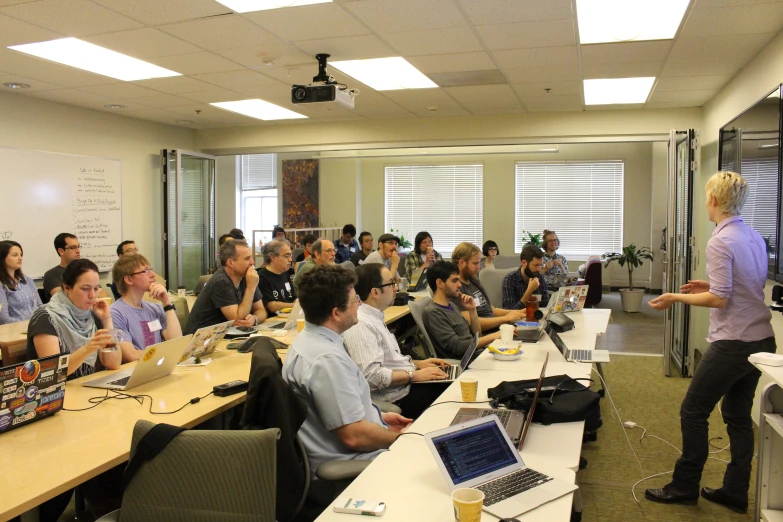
[423,255]
[555,266]
[75,321]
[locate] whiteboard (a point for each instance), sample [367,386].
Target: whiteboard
[45,193]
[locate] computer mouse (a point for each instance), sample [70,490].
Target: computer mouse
[509,520]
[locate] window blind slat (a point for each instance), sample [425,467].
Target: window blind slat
[444,200]
[583,202]
[259,171]
[760,209]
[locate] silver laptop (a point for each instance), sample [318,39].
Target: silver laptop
[512,420]
[157,360]
[454,371]
[479,454]
[591,356]
[290,322]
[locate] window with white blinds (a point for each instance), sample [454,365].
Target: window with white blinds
[761,208]
[444,200]
[259,171]
[582,202]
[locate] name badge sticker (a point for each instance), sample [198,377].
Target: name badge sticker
[154,326]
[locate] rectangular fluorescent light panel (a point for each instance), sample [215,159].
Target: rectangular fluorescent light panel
[93,58]
[617,90]
[259,109]
[385,74]
[248,6]
[609,21]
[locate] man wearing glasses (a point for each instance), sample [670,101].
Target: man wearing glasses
[375,350]
[273,279]
[68,248]
[143,322]
[323,253]
[127,248]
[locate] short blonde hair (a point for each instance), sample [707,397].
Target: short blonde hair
[464,251]
[125,266]
[730,191]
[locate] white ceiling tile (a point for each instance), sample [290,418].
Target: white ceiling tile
[254,84]
[142,43]
[712,4]
[484,96]
[442,110]
[347,117]
[17,32]
[175,84]
[691,83]
[693,98]
[745,19]
[156,115]
[280,54]
[385,16]
[699,68]
[498,110]
[196,63]
[419,100]
[730,48]
[653,51]
[309,22]
[538,57]
[71,17]
[621,70]
[162,101]
[156,12]
[222,32]
[80,99]
[445,63]
[214,95]
[35,85]
[542,74]
[435,41]
[668,105]
[487,12]
[555,88]
[382,111]
[553,102]
[121,90]
[549,33]
[348,48]
[210,113]
[31,67]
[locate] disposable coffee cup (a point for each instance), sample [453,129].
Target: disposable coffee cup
[469,386]
[181,291]
[506,333]
[468,503]
[300,325]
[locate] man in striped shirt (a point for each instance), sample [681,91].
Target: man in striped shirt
[374,348]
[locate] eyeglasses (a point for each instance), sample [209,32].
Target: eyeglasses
[492,249]
[288,255]
[393,284]
[330,251]
[73,247]
[146,271]
[131,251]
[553,241]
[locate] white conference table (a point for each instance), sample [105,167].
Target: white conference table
[407,478]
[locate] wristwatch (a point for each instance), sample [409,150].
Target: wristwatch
[169,307]
[410,376]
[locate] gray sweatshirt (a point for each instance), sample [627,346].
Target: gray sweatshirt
[449,332]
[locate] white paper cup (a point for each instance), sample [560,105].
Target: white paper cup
[506,333]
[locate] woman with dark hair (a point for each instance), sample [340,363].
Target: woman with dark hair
[18,296]
[75,321]
[423,255]
[490,251]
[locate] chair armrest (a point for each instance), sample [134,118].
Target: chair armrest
[387,407]
[341,469]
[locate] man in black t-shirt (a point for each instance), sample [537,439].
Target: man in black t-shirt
[274,279]
[467,258]
[231,293]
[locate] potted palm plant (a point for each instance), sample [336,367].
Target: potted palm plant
[631,297]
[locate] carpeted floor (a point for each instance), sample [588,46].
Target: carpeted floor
[643,395]
[640,332]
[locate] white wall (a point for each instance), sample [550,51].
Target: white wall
[29,123]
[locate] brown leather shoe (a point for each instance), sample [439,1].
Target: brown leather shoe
[669,495]
[720,497]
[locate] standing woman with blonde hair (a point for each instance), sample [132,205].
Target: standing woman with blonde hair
[555,266]
[739,326]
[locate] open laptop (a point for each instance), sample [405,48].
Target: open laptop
[478,454]
[569,299]
[32,390]
[455,370]
[532,336]
[205,340]
[512,420]
[418,280]
[591,356]
[295,313]
[157,360]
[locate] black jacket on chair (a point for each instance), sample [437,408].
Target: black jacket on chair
[270,403]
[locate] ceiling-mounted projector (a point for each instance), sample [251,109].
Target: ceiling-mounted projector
[324,88]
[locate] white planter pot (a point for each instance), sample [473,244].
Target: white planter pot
[632,299]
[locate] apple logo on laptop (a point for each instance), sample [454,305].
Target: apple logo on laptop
[161,361]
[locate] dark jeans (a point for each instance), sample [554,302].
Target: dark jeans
[420,398]
[724,372]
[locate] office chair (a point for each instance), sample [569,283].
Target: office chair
[200,284]
[182,310]
[348,265]
[492,281]
[417,311]
[203,475]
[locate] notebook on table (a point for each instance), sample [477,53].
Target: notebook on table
[32,390]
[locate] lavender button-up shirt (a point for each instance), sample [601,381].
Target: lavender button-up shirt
[737,269]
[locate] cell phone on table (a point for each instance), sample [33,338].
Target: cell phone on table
[359,506]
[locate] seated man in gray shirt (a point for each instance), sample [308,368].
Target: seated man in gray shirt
[450,334]
[342,422]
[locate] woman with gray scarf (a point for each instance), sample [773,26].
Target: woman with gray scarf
[75,321]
